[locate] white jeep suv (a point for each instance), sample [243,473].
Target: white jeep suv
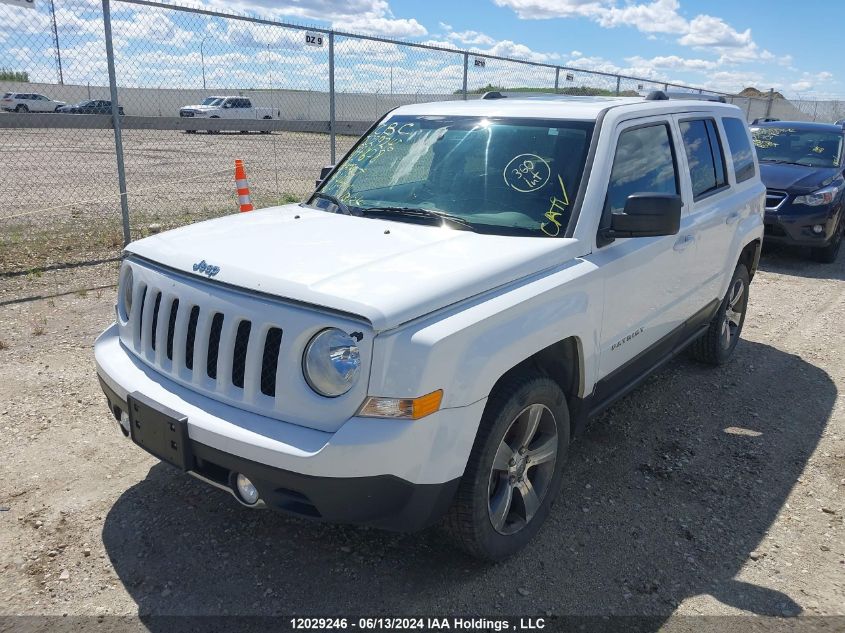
[425,335]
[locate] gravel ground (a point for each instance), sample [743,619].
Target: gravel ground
[705,492]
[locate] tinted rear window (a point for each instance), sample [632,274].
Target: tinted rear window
[740,148]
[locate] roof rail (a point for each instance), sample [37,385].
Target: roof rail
[662,95]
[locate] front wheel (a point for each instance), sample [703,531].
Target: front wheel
[717,344]
[515,468]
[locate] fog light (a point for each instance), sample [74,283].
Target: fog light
[247,492]
[124,422]
[818,229]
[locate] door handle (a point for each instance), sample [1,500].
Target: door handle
[732,218]
[684,242]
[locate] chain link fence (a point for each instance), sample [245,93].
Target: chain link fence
[83,173]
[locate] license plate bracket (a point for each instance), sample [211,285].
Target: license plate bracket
[160,431]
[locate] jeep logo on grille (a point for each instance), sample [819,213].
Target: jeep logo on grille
[206,269]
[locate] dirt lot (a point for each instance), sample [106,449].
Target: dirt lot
[68,177]
[704,492]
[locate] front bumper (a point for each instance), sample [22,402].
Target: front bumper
[788,226]
[390,474]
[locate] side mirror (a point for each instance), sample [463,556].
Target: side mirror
[647,215]
[324,172]
[227,105]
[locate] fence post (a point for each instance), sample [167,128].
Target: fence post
[331,98]
[115,118]
[618,84]
[557,79]
[466,66]
[769,103]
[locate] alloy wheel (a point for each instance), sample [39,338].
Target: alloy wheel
[522,469]
[733,314]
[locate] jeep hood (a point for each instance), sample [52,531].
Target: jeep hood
[387,272]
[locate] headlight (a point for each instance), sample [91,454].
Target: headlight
[331,363]
[818,198]
[126,288]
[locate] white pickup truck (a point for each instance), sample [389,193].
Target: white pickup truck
[423,337]
[227,108]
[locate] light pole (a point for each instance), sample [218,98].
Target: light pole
[56,42]
[202,59]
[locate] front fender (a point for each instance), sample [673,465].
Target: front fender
[466,348]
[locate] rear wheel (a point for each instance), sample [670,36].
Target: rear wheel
[717,344]
[21,108]
[828,254]
[515,469]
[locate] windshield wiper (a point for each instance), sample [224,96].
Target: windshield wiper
[418,212]
[785,162]
[341,206]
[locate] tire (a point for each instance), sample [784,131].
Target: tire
[190,131]
[21,108]
[828,254]
[488,515]
[717,344]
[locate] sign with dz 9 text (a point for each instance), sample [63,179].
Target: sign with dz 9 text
[24,4]
[314,39]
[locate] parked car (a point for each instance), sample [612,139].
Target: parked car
[28,102]
[227,108]
[801,165]
[426,333]
[90,106]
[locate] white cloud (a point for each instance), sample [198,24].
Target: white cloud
[371,17]
[378,25]
[483,43]
[673,62]
[471,38]
[706,30]
[812,82]
[658,16]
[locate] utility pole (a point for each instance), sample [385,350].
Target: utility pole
[56,42]
[202,60]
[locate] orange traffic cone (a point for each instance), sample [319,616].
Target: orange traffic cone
[242,186]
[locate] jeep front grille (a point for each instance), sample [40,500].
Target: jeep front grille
[201,337]
[237,347]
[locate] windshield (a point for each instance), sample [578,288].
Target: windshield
[211,101]
[788,145]
[507,176]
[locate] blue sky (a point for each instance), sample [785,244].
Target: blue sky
[722,45]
